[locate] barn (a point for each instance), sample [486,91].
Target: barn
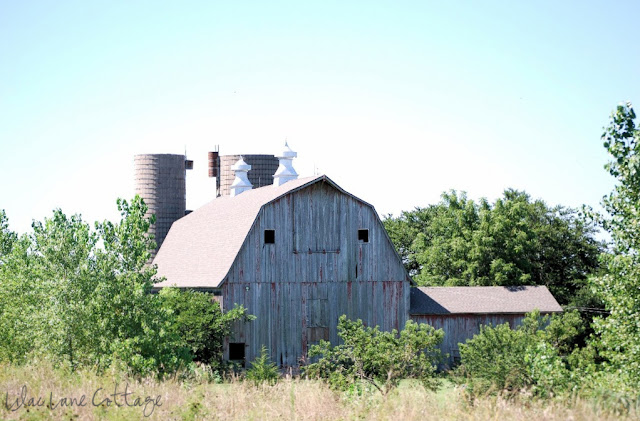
[460,311]
[297,254]
[300,253]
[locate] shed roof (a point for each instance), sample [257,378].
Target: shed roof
[483,300]
[201,247]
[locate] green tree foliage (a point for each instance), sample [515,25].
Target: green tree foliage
[538,355]
[80,296]
[19,296]
[198,320]
[404,230]
[7,237]
[263,370]
[380,359]
[514,241]
[619,289]
[61,263]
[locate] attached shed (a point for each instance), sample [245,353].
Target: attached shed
[460,311]
[297,256]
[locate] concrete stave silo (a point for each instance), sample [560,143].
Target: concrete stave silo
[160,179]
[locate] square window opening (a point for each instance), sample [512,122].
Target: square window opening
[269,236]
[236,351]
[363,235]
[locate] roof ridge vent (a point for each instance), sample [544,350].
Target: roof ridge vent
[241,183]
[285,171]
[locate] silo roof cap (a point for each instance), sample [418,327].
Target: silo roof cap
[287,152]
[241,165]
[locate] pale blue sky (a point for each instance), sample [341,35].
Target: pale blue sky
[395,101]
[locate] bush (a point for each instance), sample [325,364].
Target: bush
[263,370]
[537,355]
[380,359]
[547,371]
[495,356]
[199,322]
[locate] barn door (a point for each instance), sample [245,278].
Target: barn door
[317,314]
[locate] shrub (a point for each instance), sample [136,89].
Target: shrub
[562,331]
[495,356]
[546,371]
[380,359]
[263,370]
[537,355]
[199,322]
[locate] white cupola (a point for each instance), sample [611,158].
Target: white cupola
[285,171]
[241,183]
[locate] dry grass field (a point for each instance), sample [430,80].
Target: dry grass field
[41,393]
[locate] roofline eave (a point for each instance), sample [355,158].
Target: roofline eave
[486,313]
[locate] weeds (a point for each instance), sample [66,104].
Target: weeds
[290,398]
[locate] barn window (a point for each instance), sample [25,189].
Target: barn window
[269,236]
[363,235]
[236,351]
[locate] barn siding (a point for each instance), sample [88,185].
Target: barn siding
[289,318]
[316,271]
[460,327]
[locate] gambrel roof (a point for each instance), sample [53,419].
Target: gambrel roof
[482,300]
[201,247]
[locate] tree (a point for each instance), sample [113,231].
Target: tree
[132,325]
[619,288]
[61,262]
[514,241]
[7,238]
[20,297]
[443,248]
[380,359]
[198,320]
[81,297]
[403,231]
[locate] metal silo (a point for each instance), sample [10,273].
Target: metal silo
[262,169]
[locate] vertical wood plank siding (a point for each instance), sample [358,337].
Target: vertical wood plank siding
[460,327]
[316,271]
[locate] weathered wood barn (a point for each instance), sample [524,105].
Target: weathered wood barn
[300,253]
[460,311]
[297,256]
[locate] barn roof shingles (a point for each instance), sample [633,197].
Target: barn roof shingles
[201,247]
[467,300]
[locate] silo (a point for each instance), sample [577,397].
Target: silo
[262,169]
[160,179]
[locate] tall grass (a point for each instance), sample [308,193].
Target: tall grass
[294,399]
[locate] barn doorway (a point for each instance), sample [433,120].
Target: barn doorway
[317,314]
[237,352]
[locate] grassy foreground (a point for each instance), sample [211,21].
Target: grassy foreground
[41,393]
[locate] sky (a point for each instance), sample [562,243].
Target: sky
[396,102]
